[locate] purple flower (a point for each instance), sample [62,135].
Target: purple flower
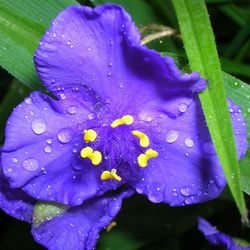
[121,117]
[216,238]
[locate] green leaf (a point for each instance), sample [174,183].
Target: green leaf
[239,92]
[245,173]
[202,54]
[15,95]
[23,23]
[44,211]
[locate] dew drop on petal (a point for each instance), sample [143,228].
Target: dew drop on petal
[91,116]
[72,109]
[28,100]
[14,159]
[48,149]
[49,141]
[189,142]
[30,164]
[182,107]
[39,126]
[172,136]
[64,136]
[189,200]
[63,96]
[174,192]
[185,191]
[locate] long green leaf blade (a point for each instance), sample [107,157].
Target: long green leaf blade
[200,46]
[22,23]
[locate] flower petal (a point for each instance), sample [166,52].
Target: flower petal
[99,50]
[14,201]
[187,170]
[79,227]
[41,153]
[216,238]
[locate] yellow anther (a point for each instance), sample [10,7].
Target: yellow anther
[89,135]
[125,120]
[143,158]
[94,156]
[111,226]
[144,140]
[107,175]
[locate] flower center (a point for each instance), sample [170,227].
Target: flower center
[96,156]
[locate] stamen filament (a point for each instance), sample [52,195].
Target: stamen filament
[94,156]
[125,120]
[144,140]
[107,175]
[143,158]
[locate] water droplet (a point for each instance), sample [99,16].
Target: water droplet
[174,192]
[48,149]
[30,164]
[64,136]
[72,109]
[182,107]
[110,64]
[189,200]
[189,142]
[63,96]
[91,116]
[39,126]
[14,159]
[109,73]
[172,136]
[54,35]
[185,191]
[28,100]
[49,141]
[74,150]
[121,86]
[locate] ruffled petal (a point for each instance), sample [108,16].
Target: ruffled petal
[14,201]
[98,50]
[41,153]
[79,227]
[216,238]
[187,170]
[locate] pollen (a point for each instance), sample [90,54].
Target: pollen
[125,120]
[89,135]
[111,226]
[94,156]
[144,140]
[107,175]
[143,158]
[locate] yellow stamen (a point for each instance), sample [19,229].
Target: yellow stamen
[107,175]
[94,156]
[143,158]
[144,140]
[89,135]
[111,226]
[125,120]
